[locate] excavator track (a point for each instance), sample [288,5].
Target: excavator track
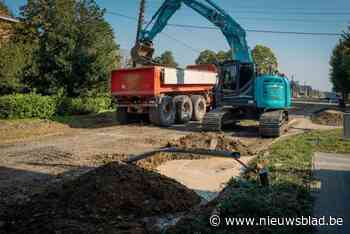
[215,120]
[272,123]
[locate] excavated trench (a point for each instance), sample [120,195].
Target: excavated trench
[207,176]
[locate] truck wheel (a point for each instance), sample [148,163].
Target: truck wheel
[184,108]
[199,107]
[122,115]
[164,114]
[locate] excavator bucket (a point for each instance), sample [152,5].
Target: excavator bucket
[142,53]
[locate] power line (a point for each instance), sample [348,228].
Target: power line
[259,19]
[259,10]
[181,42]
[248,30]
[254,18]
[121,15]
[259,31]
[291,20]
[292,13]
[162,33]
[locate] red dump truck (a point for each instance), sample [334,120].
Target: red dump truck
[166,95]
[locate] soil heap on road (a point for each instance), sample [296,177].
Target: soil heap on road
[329,117]
[114,198]
[216,141]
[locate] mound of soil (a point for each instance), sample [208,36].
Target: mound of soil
[329,117]
[114,198]
[212,141]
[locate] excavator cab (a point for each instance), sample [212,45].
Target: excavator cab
[236,82]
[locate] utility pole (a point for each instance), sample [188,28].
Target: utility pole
[141,20]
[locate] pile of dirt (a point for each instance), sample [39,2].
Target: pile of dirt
[329,117]
[115,198]
[215,141]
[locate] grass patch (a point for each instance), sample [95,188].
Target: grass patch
[289,162]
[329,141]
[13,130]
[102,119]
[23,129]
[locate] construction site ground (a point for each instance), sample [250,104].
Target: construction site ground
[37,155]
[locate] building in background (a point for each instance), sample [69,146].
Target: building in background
[125,58]
[295,88]
[305,91]
[6,27]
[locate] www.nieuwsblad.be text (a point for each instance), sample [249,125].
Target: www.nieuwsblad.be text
[216,221]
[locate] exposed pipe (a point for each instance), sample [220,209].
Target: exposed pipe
[263,174]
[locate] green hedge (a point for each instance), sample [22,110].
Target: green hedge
[84,105]
[19,106]
[27,106]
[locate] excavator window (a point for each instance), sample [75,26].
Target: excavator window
[236,76]
[229,75]
[246,74]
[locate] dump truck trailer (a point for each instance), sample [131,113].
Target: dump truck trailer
[166,95]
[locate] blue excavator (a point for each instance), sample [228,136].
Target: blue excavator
[241,91]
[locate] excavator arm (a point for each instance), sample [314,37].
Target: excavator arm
[235,35]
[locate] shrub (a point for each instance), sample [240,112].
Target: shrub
[27,106]
[84,105]
[37,106]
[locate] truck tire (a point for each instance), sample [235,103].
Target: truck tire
[122,115]
[199,107]
[164,113]
[184,109]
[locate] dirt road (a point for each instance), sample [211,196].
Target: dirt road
[60,152]
[28,166]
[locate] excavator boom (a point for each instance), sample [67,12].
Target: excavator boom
[235,35]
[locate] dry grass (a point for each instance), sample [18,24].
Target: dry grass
[24,129]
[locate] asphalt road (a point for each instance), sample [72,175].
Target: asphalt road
[333,193]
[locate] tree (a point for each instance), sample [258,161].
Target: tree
[166,59]
[346,37]
[210,57]
[15,56]
[206,57]
[16,60]
[340,68]
[222,56]
[75,47]
[265,59]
